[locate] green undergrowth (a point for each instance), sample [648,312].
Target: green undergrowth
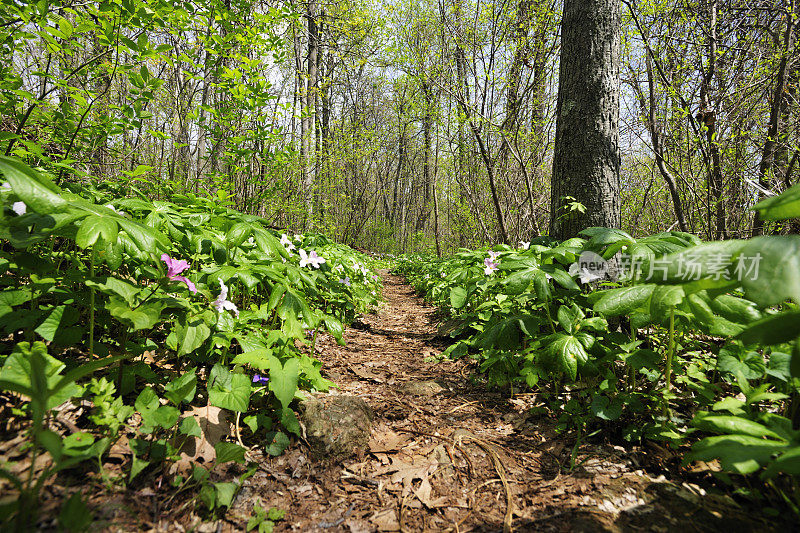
[693,344]
[156,314]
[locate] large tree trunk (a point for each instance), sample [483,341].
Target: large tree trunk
[587,159]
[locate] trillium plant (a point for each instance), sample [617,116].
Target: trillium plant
[310,258]
[174,269]
[287,243]
[489,266]
[222,302]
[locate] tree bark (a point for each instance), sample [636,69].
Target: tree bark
[586,160]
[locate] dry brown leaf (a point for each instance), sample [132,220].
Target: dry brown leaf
[214,426]
[385,520]
[386,441]
[406,473]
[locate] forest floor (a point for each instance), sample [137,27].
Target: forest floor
[446,453]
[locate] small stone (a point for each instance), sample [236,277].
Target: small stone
[422,388]
[337,426]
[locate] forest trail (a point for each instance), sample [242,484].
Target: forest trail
[447,454]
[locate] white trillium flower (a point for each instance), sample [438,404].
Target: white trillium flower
[287,243]
[490,265]
[222,302]
[584,274]
[310,259]
[19,208]
[525,245]
[120,213]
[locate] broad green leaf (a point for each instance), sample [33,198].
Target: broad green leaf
[60,317]
[458,297]
[778,275]
[237,234]
[144,316]
[225,493]
[663,300]
[733,358]
[96,228]
[743,454]
[786,463]
[733,425]
[773,329]
[785,205]
[189,426]
[39,193]
[182,389]
[228,390]
[283,381]
[260,358]
[623,301]
[278,444]
[228,451]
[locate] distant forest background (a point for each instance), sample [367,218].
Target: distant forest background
[395,125]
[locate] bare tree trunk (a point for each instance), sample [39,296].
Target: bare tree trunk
[586,160]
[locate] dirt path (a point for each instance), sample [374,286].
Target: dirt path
[448,455]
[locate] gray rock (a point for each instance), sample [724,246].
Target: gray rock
[422,388]
[337,426]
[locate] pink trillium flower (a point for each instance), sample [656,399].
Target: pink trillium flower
[222,302]
[174,268]
[310,259]
[493,255]
[490,265]
[19,208]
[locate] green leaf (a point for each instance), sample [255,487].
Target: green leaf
[145,316]
[237,234]
[75,515]
[663,300]
[283,381]
[742,454]
[335,328]
[458,297]
[773,329]
[57,320]
[39,193]
[225,493]
[190,426]
[734,359]
[261,359]
[96,228]
[786,463]
[278,444]
[228,390]
[784,206]
[191,335]
[606,409]
[733,425]
[778,277]
[623,301]
[182,389]
[228,451]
